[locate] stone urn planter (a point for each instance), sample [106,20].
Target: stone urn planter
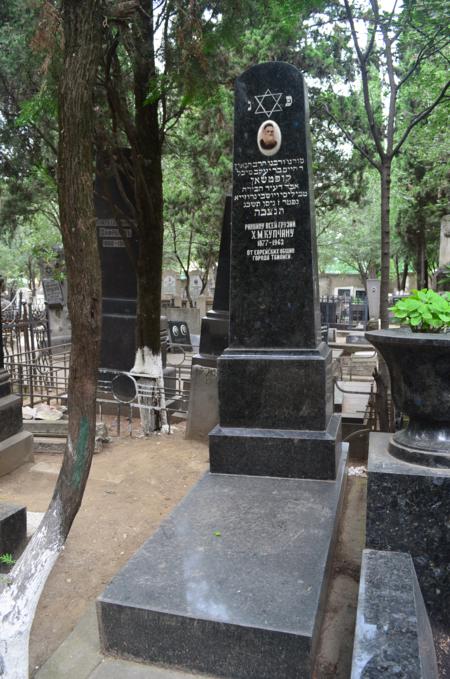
[419,366]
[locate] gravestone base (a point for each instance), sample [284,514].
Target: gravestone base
[10,415]
[13,528]
[15,451]
[408,506]
[234,581]
[276,452]
[393,636]
[203,412]
[213,336]
[16,446]
[273,389]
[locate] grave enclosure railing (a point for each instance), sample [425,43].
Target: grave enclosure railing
[25,327]
[344,312]
[40,375]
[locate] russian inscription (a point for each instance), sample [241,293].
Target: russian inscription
[267,188]
[111,235]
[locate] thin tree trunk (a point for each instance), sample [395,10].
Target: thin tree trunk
[382,376]
[404,274]
[20,596]
[385,175]
[149,212]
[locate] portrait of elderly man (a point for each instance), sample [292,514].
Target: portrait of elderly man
[269,138]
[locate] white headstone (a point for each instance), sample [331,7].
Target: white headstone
[444,250]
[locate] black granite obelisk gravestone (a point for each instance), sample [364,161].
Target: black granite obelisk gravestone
[275,382]
[234,582]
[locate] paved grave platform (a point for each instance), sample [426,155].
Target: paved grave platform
[233,582]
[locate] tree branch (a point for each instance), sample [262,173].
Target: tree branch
[365,80]
[421,116]
[353,141]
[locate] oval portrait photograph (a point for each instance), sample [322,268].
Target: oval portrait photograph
[269,138]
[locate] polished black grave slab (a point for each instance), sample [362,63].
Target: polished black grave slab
[393,636]
[233,582]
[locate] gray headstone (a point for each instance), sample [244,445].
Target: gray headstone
[444,249]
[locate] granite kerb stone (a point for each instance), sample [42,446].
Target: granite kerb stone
[407,510]
[393,636]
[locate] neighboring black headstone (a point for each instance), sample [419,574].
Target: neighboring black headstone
[215,325]
[179,334]
[275,382]
[118,245]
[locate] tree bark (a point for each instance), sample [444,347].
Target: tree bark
[147,159]
[385,176]
[382,376]
[19,598]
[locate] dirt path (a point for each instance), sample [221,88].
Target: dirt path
[133,484]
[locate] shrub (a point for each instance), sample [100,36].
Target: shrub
[424,311]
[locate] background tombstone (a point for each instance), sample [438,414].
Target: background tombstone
[203,413]
[443,274]
[275,382]
[214,330]
[373,297]
[54,286]
[16,445]
[118,245]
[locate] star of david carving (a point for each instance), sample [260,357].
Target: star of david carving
[266,100]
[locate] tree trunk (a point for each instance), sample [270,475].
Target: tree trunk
[149,212]
[382,377]
[20,596]
[385,175]
[404,275]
